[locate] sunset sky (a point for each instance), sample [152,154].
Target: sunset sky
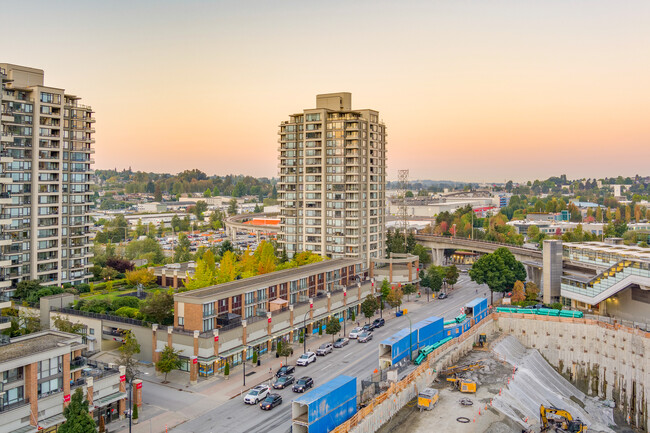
[469,90]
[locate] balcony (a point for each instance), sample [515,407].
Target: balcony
[6,137]
[78,363]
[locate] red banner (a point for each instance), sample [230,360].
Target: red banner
[269,320]
[138,385]
[216,338]
[66,398]
[311,305]
[122,378]
[345,294]
[195,361]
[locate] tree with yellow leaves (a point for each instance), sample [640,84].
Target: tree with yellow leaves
[518,294]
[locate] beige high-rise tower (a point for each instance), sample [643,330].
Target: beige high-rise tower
[45,178]
[333,180]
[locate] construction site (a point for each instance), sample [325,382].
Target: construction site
[519,373]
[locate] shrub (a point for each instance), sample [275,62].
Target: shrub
[120,265]
[556,306]
[83,288]
[131,313]
[135,411]
[125,301]
[67,285]
[140,276]
[226,369]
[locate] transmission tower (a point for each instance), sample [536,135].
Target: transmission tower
[403,179]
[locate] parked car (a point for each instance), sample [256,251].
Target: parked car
[355,333]
[303,384]
[306,358]
[324,349]
[341,342]
[271,401]
[367,328]
[283,382]
[378,323]
[256,394]
[442,296]
[365,337]
[285,370]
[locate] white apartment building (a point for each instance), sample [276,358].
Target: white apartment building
[333,180]
[45,177]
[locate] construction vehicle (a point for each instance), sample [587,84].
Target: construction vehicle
[482,340]
[560,420]
[427,399]
[462,384]
[455,369]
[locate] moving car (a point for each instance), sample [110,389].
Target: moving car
[271,401]
[442,296]
[282,382]
[324,349]
[365,337]
[367,327]
[303,384]
[306,358]
[284,370]
[256,394]
[355,333]
[341,342]
[378,323]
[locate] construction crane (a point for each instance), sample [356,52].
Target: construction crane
[560,420]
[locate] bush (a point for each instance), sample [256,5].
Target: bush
[83,288]
[556,306]
[125,301]
[226,369]
[131,313]
[135,411]
[140,276]
[99,306]
[67,285]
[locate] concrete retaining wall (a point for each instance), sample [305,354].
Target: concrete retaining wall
[604,360]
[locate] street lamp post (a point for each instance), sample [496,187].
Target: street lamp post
[410,337]
[244,362]
[304,332]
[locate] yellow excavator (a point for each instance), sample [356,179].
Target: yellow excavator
[462,384]
[560,420]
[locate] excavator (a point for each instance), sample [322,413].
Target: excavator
[462,384]
[560,420]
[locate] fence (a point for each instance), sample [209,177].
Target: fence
[120,319]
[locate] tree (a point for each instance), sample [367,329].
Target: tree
[25,288]
[207,193]
[333,327]
[226,246]
[369,306]
[128,349]
[182,250]
[77,417]
[407,289]
[147,248]
[119,264]
[140,276]
[108,274]
[395,297]
[65,325]
[452,275]
[384,291]
[200,207]
[499,270]
[423,254]
[169,360]
[205,273]
[216,192]
[232,207]
[284,350]
[227,268]
[518,292]
[532,291]
[158,307]
[435,280]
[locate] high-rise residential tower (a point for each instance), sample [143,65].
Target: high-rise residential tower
[45,179]
[333,180]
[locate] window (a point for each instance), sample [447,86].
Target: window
[312,117]
[14,395]
[181,321]
[207,324]
[50,386]
[92,331]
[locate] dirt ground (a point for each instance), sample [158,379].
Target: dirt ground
[482,417]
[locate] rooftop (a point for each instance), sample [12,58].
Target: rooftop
[623,250]
[266,279]
[36,343]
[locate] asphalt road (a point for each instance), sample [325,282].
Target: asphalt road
[356,359]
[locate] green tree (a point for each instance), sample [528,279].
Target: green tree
[423,254]
[129,348]
[284,350]
[333,327]
[452,275]
[369,306]
[169,360]
[77,416]
[157,195]
[216,192]
[435,280]
[532,291]
[207,193]
[408,289]
[65,325]
[232,207]
[205,273]
[384,291]
[200,207]
[25,288]
[182,250]
[499,270]
[158,307]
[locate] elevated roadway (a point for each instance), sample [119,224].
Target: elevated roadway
[236,223]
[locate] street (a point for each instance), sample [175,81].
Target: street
[356,359]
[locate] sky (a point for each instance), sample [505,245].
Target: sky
[487,90]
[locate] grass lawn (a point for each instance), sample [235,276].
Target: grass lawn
[115,293]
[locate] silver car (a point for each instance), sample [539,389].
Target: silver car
[324,349]
[364,337]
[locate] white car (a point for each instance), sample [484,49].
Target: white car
[355,332]
[306,358]
[256,394]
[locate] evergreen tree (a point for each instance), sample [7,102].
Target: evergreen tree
[77,417]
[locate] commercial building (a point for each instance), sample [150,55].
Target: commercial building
[333,180]
[39,372]
[604,278]
[397,269]
[45,179]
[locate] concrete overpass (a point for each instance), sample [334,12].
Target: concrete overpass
[531,258]
[236,223]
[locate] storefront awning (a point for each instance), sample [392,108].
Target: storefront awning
[111,398]
[51,421]
[26,429]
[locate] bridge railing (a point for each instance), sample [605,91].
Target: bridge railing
[458,240]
